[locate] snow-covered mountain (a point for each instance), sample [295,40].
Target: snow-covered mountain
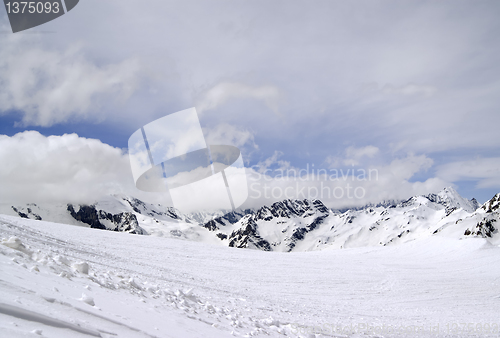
[276,228]
[484,222]
[116,213]
[289,225]
[310,225]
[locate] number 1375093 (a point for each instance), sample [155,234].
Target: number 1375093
[32,7]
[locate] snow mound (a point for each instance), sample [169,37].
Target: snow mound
[16,244]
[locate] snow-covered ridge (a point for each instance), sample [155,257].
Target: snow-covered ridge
[309,225]
[289,225]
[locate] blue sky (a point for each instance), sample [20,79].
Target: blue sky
[408,88]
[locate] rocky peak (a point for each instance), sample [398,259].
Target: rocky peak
[100,219]
[492,205]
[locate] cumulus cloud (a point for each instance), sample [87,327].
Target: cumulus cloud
[50,87]
[72,169]
[64,169]
[61,169]
[486,171]
[224,91]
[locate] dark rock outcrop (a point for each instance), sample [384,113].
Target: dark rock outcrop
[100,219]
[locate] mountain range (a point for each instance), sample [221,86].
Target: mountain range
[288,225]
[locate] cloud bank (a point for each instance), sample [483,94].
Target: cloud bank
[348,185]
[304,80]
[69,168]
[50,87]
[485,171]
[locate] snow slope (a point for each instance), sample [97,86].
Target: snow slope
[64,281]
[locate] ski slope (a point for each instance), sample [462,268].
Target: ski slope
[61,280]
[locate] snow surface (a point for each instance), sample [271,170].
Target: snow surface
[59,280]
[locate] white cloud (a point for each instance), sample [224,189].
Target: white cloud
[486,171]
[225,133]
[224,91]
[50,86]
[272,163]
[62,169]
[73,169]
[352,156]
[405,168]
[68,168]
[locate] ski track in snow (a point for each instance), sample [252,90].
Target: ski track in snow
[146,286]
